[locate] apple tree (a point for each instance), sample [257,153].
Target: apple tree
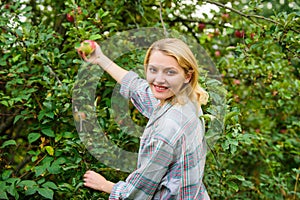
[253,44]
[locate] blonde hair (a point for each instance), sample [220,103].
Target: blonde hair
[182,53]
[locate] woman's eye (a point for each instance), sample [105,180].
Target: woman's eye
[171,72]
[152,70]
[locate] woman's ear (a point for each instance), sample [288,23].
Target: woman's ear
[188,76]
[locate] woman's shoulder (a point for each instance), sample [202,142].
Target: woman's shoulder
[185,111]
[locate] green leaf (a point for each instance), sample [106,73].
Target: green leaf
[233,186]
[55,168]
[66,187]
[49,132]
[50,114]
[6,174]
[3,195]
[4,103]
[32,137]
[7,143]
[95,37]
[2,186]
[68,135]
[233,149]
[31,191]
[13,180]
[13,191]
[46,192]
[296,170]
[230,115]
[29,186]
[41,181]
[102,13]
[27,183]
[39,170]
[16,58]
[50,184]
[27,8]
[49,150]
[17,118]
[238,177]
[44,113]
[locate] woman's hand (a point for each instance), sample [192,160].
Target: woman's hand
[97,182]
[98,58]
[94,57]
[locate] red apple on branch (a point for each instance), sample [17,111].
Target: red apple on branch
[225,16]
[201,26]
[239,34]
[70,17]
[7,6]
[217,53]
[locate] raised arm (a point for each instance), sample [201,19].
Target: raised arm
[97,57]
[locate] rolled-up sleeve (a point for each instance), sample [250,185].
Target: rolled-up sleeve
[143,183]
[139,92]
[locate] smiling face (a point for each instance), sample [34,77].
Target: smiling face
[164,75]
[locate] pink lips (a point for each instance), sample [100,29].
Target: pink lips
[159,88]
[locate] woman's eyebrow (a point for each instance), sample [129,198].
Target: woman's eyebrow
[165,67]
[172,67]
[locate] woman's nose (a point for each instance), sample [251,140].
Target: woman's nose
[160,78]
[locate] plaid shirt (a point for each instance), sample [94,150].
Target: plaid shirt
[172,149]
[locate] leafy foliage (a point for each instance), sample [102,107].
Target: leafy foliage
[255,48]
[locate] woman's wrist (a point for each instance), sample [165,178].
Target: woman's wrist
[104,61]
[107,187]
[97,59]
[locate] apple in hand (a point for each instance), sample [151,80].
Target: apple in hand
[87,47]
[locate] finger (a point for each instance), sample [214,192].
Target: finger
[82,54]
[86,174]
[89,172]
[86,184]
[79,52]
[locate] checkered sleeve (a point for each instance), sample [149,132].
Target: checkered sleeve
[139,92]
[144,182]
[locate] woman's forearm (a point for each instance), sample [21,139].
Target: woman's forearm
[112,68]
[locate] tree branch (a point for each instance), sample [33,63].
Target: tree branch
[241,13]
[54,74]
[8,121]
[162,20]
[179,19]
[249,17]
[295,187]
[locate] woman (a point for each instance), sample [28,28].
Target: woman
[172,150]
